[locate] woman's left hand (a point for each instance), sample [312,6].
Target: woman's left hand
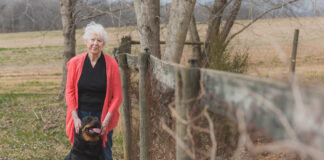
[105,124]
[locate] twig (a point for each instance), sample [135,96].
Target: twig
[36,115]
[212,136]
[101,13]
[178,140]
[189,134]
[176,115]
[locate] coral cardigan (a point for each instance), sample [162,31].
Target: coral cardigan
[113,97]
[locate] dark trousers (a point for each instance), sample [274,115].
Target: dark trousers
[107,149]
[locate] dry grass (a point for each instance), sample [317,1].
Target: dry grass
[269,43]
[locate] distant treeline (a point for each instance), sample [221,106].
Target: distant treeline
[36,15]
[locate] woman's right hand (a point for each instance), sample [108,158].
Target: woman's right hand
[77,124]
[77,121]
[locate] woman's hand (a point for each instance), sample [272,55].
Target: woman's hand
[77,121]
[104,124]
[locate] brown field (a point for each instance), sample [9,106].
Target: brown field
[31,63]
[269,43]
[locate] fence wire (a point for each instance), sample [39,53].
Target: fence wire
[214,130]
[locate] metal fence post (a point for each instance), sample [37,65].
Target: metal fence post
[294,52]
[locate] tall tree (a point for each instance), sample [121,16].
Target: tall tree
[68,22]
[148,25]
[179,20]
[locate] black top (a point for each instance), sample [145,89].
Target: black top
[92,85]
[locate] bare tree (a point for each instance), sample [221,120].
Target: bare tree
[68,21]
[44,15]
[179,20]
[29,15]
[220,25]
[148,25]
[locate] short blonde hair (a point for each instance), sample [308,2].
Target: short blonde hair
[95,28]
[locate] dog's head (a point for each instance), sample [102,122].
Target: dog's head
[90,128]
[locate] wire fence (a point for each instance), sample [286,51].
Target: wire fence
[177,112]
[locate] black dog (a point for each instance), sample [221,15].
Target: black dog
[87,144]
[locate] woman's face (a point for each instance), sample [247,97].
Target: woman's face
[95,44]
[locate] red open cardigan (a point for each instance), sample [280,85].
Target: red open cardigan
[113,93]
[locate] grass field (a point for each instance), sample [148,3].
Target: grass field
[32,120]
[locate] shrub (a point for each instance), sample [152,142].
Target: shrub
[222,58]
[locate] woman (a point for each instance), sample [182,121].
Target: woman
[93,87]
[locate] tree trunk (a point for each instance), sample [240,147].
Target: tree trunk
[180,15]
[68,22]
[148,25]
[216,35]
[215,19]
[230,21]
[194,37]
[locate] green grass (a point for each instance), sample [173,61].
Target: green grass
[3,49]
[25,122]
[36,83]
[7,100]
[313,76]
[30,55]
[32,127]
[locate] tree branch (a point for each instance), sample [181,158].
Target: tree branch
[178,139]
[257,18]
[212,136]
[230,21]
[101,13]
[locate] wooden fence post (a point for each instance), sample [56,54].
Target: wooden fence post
[124,73]
[294,52]
[144,131]
[125,45]
[187,90]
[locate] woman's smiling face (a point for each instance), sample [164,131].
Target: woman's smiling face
[95,44]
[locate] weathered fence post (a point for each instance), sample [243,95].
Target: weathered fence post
[187,90]
[125,45]
[127,142]
[294,52]
[144,131]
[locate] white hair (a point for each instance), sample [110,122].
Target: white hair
[95,28]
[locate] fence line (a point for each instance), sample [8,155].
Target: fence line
[261,100]
[127,137]
[163,42]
